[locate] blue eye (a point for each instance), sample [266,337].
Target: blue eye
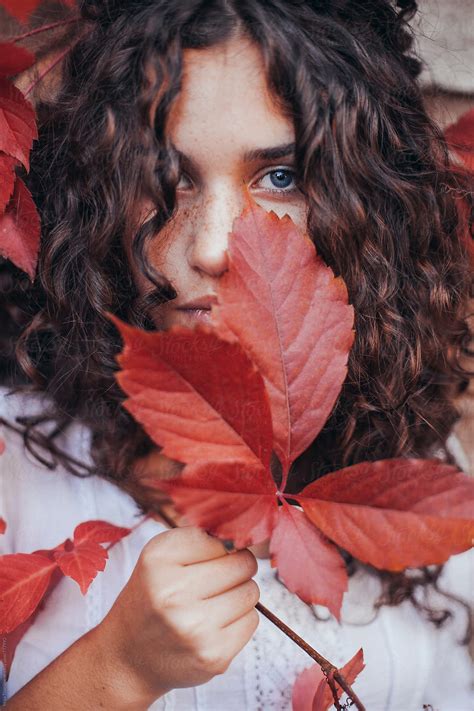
[281,179]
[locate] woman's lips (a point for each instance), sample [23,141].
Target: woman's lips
[193,316]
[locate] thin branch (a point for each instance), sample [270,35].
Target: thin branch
[133,528]
[44,28]
[329,670]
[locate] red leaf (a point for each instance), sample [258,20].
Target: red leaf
[308,563]
[311,690]
[197,396]
[292,318]
[306,687]
[14,59]
[84,558]
[3,525]
[17,123]
[7,179]
[21,9]
[82,563]
[27,579]
[460,137]
[229,499]
[98,532]
[13,638]
[395,513]
[24,578]
[20,231]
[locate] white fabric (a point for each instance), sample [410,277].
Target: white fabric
[444,31]
[408,662]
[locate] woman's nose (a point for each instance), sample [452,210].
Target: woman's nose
[210,237]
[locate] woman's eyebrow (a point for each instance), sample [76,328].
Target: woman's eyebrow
[270,153]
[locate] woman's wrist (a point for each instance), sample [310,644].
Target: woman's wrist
[122,686]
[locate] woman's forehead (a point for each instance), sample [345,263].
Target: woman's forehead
[225,105]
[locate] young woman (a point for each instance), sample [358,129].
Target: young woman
[165,112]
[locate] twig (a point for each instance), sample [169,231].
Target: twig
[133,528]
[44,28]
[328,669]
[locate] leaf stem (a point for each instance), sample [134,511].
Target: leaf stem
[132,528]
[44,28]
[328,669]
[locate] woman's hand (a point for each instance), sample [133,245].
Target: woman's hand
[185,613]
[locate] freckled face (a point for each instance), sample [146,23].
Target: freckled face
[231,135]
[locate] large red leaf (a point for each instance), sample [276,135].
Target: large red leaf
[7,179]
[311,690]
[197,396]
[395,513]
[24,578]
[14,59]
[20,230]
[308,563]
[17,123]
[229,499]
[292,317]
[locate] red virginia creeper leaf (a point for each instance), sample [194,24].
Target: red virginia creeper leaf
[14,59]
[14,637]
[85,557]
[24,578]
[395,513]
[7,179]
[292,318]
[460,137]
[3,525]
[197,396]
[98,532]
[309,564]
[83,563]
[20,230]
[229,499]
[305,688]
[17,123]
[311,691]
[29,578]
[21,9]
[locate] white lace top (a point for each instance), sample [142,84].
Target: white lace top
[409,662]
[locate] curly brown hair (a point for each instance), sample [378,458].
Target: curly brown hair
[380,190]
